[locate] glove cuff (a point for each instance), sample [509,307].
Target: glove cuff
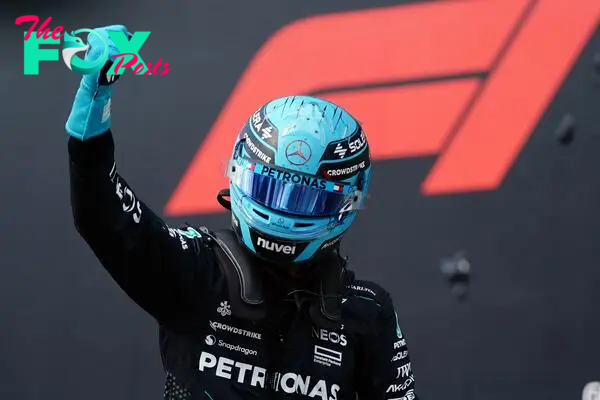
[91,112]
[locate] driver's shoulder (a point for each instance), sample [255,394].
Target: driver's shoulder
[366,291]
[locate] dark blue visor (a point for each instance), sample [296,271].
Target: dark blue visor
[290,192]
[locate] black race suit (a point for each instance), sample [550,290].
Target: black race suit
[207,353]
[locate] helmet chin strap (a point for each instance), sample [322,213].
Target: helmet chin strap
[223,197]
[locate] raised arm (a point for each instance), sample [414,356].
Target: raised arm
[158,267]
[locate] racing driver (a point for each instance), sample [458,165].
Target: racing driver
[266,309]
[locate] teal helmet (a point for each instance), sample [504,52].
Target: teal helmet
[298,175]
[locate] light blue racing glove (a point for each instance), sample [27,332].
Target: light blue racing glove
[90,115]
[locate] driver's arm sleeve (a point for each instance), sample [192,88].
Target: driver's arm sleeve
[155,265]
[388,371]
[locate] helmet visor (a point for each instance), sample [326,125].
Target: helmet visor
[290,192]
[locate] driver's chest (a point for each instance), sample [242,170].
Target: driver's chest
[295,359]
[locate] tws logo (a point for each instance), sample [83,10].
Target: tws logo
[128,46]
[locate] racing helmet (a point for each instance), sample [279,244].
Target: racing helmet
[298,175]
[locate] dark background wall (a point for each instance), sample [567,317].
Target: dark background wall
[529,330]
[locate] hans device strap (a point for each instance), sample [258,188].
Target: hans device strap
[243,277]
[245,285]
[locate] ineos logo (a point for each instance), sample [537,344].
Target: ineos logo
[330,336]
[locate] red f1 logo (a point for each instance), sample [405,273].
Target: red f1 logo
[467,80]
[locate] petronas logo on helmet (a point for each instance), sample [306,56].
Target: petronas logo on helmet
[294,178]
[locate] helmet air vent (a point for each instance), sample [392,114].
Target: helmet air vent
[261,214]
[303,225]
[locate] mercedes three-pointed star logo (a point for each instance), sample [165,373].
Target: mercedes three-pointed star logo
[298,152]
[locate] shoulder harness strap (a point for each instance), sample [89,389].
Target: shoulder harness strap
[243,279]
[245,285]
